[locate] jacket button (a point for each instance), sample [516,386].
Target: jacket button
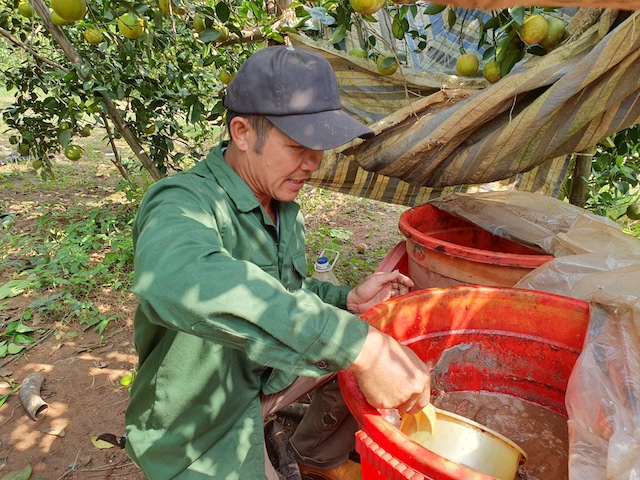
[322,364]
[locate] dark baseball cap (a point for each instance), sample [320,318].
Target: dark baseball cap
[297,91]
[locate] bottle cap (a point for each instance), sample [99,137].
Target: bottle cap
[322,264]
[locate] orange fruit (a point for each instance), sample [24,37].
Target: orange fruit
[25,9]
[367,7]
[533,29]
[467,65]
[491,71]
[86,131]
[23,149]
[70,10]
[633,211]
[225,77]
[386,63]
[93,36]
[73,152]
[130,25]
[57,19]
[358,52]
[167,6]
[555,34]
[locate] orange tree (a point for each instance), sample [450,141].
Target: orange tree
[153,82]
[153,71]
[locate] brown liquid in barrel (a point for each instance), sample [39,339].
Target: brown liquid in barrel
[540,432]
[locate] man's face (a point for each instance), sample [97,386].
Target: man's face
[281,169]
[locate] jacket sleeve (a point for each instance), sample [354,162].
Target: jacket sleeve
[186,280]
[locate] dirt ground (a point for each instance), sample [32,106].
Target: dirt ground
[82,372]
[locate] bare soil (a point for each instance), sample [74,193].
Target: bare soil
[83,372]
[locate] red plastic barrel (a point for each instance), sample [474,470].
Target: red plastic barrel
[517,342]
[444,250]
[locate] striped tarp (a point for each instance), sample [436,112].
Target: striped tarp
[438,133]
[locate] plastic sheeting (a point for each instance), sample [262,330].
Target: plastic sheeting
[596,262]
[438,133]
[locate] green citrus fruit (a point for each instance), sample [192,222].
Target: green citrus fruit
[167,6]
[149,129]
[93,36]
[555,34]
[467,65]
[73,152]
[23,148]
[37,164]
[533,29]
[358,52]
[86,131]
[70,10]
[25,9]
[57,19]
[198,24]
[367,7]
[633,211]
[130,25]
[64,125]
[386,63]
[225,77]
[491,71]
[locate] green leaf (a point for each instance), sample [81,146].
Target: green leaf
[209,35]
[434,9]
[223,12]
[13,288]
[13,348]
[536,50]
[23,474]
[517,13]
[492,23]
[4,398]
[22,328]
[196,112]
[400,27]
[126,380]
[338,34]
[510,59]
[64,136]
[451,18]
[23,339]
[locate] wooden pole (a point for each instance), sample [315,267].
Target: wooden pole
[581,171]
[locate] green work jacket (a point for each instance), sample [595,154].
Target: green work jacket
[225,313]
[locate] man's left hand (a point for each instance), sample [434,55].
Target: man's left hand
[377,288]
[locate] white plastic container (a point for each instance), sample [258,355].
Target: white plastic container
[323,269]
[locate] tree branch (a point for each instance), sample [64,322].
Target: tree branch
[29,50]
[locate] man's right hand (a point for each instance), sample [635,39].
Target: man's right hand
[391,375]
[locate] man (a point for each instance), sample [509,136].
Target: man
[228,330]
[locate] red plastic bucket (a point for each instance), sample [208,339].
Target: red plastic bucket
[444,250]
[521,343]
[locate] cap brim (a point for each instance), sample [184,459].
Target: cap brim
[321,130]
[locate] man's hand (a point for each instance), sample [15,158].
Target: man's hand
[377,288]
[391,375]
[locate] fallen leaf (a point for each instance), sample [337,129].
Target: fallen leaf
[100,443]
[23,474]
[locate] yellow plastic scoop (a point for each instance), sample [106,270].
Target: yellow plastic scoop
[464,441]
